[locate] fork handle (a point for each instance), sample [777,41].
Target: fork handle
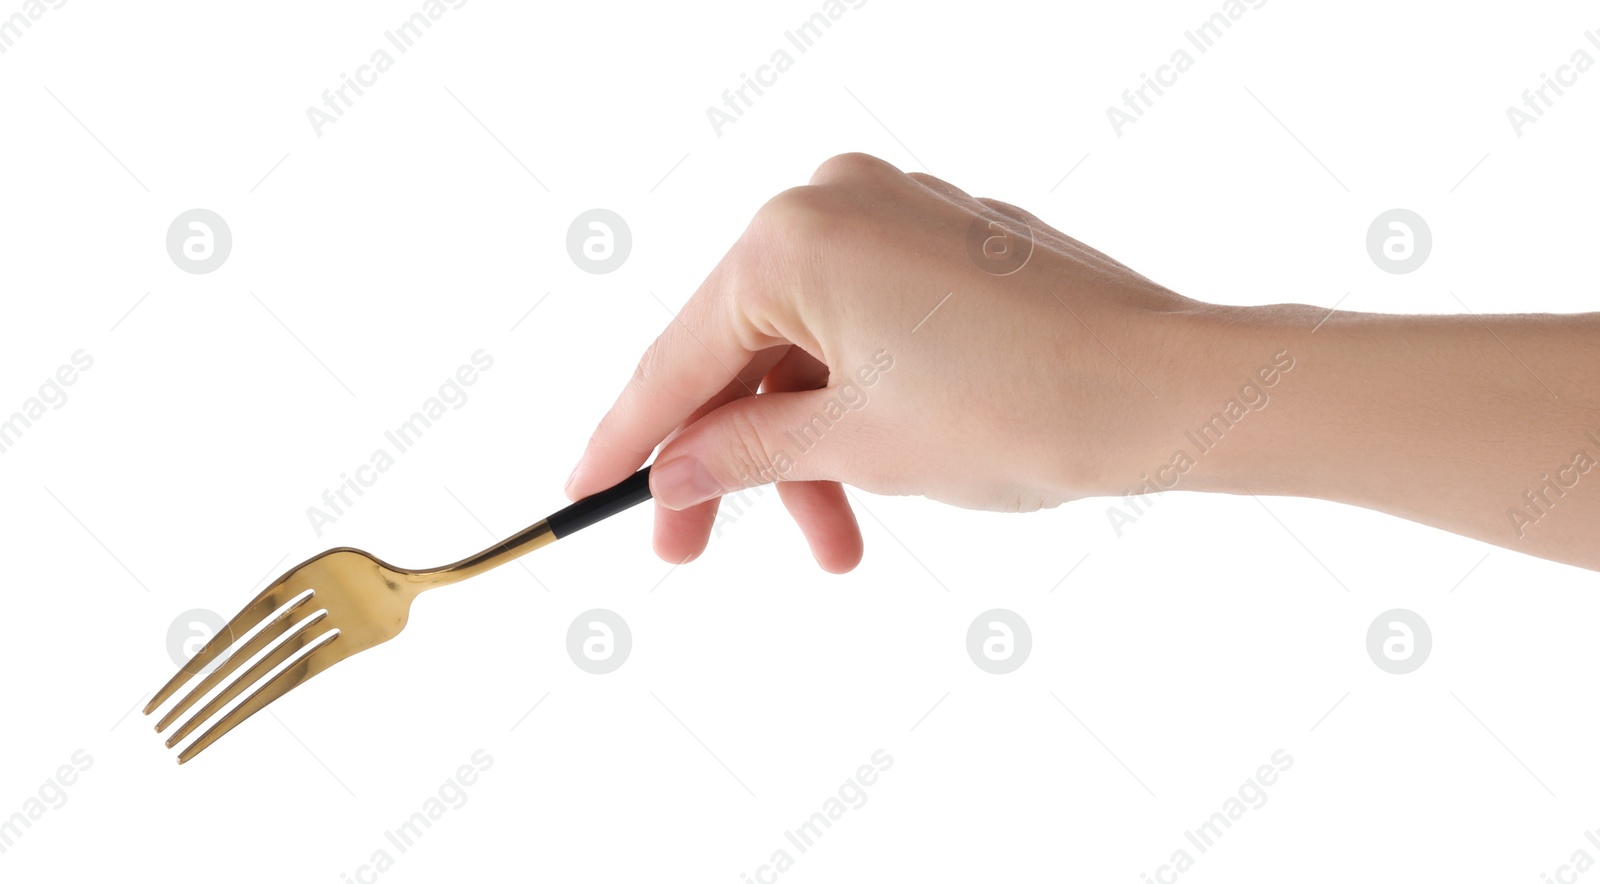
[602,504]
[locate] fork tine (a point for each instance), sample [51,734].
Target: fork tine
[291,645]
[287,621]
[253,613]
[290,678]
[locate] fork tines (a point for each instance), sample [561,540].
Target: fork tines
[276,628]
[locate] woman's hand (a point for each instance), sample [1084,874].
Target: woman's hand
[891,332]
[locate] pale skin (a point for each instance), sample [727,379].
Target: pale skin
[1076,377]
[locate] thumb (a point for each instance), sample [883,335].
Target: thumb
[751,441]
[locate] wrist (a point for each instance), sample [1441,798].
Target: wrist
[1222,380]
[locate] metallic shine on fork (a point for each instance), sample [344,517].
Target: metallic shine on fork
[335,605]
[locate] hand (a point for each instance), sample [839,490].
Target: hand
[851,335]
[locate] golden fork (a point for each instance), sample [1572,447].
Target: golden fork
[338,604]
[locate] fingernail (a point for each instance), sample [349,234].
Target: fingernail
[567,486]
[683,482]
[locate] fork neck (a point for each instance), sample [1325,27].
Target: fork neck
[529,539]
[575,517]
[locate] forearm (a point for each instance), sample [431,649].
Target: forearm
[1485,426]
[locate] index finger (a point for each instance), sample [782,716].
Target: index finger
[709,344]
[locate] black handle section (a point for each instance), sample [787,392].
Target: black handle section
[602,505]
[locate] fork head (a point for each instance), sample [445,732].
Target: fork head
[337,604]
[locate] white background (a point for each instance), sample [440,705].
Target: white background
[369,262]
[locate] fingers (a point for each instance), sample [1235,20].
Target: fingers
[748,442]
[820,508]
[693,392]
[706,349]
[680,536]
[823,513]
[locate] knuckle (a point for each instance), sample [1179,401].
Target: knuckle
[798,217]
[747,452]
[812,210]
[800,207]
[648,368]
[851,166]
[654,376]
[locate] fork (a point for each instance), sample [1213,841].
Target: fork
[333,606]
